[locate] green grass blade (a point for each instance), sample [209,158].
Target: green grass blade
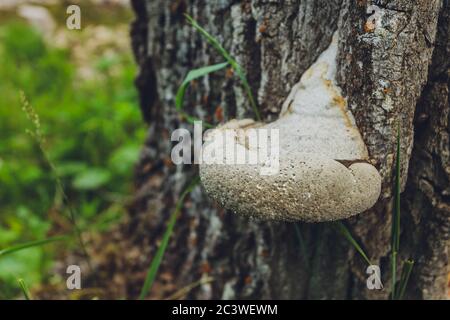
[303,246]
[192,75]
[236,67]
[192,120]
[248,91]
[24,288]
[406,272]
[394,274]
[38,136]
[396,224]
[346,233]
[213,41]
[395,233]
[27,245]
[156,262]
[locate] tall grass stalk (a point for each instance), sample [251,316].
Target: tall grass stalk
[24,288]
[156,262]
[192,75]
[347,235]
[234,64]
[40,141]
[406,273]
[395,232]
[30,244]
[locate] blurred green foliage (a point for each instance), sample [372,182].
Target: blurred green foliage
[93,132]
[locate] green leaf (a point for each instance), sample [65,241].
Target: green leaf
[27,245]
[213,41]
[406,272]
[395,232]
[346,233]
[236,67]
[91,179]
[70,168]
[396,218]
[124,158]
[393,274]
[24,288]
[156,262]
[192,75]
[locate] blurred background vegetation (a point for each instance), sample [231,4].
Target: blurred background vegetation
[80,83]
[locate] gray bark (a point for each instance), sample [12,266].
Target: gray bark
[399,76]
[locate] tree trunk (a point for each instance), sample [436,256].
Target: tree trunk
[394,74]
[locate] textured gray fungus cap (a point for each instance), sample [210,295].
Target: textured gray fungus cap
[323,172]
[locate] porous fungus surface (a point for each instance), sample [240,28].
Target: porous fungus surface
[323,169]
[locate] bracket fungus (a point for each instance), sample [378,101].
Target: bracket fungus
[324,171]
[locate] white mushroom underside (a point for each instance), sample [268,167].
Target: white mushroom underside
[315,130]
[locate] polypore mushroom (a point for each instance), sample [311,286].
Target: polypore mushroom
[324,173]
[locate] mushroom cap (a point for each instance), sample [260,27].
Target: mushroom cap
[318,178]
[323,172]
[309,187]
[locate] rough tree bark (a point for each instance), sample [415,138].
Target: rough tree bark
[397,73]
